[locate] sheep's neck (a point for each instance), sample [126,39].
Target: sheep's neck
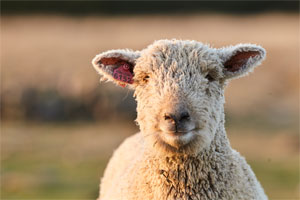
[183,175]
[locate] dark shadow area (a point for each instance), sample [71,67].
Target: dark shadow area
[145,7]
[49,105]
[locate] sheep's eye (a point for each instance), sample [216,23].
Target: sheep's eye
[209,77]
[146,78]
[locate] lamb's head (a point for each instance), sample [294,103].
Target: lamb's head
[179,88]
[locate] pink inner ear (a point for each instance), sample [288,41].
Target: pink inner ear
[239,60]
[122,70]
[123,73]
[110,61]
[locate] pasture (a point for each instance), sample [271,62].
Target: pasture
[46,59]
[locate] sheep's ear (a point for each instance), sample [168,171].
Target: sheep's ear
[116,65]
[241,59]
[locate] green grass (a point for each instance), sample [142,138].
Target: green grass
[55,161]
[37,178]
[30,177]
[279,179]
[66,161]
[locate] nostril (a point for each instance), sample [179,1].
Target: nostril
[184,116]
[168,117]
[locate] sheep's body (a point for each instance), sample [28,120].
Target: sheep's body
[182,151]
[217,173]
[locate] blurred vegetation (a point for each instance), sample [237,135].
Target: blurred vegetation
[50,105]
[56,161]
[59,126]
[65,161]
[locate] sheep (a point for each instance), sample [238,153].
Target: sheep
[182,151]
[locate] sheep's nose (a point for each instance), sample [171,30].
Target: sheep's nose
[177,118]
[176,122]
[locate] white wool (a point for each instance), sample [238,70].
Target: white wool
[172,75]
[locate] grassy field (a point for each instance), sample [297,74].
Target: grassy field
[55,52]
[66,160]
[63,161]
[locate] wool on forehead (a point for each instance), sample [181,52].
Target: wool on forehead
[167,57]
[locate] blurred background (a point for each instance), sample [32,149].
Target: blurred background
[59,126]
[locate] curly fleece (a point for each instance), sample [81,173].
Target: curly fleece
[202,165]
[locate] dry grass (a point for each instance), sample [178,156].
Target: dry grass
[65,161]
[43,51]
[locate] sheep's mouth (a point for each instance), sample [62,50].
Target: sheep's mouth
[187,143]
[178,139]
[178,133]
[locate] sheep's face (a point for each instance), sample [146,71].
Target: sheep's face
[179,96]
[179,88]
